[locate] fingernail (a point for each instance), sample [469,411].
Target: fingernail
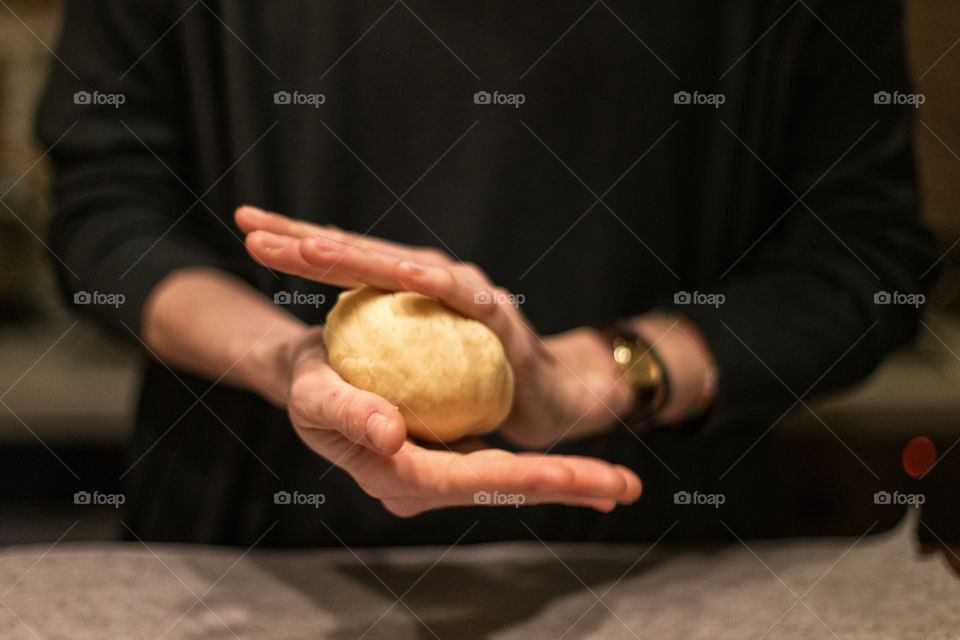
[377,430]
[249,208]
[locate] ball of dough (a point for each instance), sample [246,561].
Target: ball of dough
[447,373]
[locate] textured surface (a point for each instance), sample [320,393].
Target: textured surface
[447,373]
[875,588]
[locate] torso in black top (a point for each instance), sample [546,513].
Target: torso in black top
[602,194]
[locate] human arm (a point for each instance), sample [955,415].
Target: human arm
[128,223]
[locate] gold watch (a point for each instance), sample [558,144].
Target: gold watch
[643,369]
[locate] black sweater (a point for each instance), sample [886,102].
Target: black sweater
[605,193]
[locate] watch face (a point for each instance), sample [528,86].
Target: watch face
[623,355]
[641,366]
[645,372]
[638,363]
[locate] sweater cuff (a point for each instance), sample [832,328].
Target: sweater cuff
[116,292]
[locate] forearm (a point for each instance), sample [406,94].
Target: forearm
[212,324]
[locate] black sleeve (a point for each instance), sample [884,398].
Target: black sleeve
[800,309]
[123,219]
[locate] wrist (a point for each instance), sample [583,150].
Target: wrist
[599,392]
[266,366]
[687,359]
[213,324]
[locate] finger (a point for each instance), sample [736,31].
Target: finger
[398,480]
[343,260]
[587,470]
[531,475]
[590,476]
[408,503]
[456,288]
[462,290]
[282,253]
[251,219]
[605,505]
[322,400]
[634,485]
[470,294]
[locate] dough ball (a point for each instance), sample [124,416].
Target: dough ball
[447,373]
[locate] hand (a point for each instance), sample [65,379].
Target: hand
[365,435]
[567,386]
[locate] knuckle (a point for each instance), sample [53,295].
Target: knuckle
[347,410]
[301,403]
[487,311]
[431,255]
[447,281]
[350,412]
[335,232]
[472,270]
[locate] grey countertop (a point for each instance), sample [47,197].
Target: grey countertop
[874,587]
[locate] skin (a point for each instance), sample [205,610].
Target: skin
[213,324]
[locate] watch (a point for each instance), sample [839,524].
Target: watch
[643,369]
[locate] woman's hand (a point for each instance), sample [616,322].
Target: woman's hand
[365,435]
[213,324]
[567,386]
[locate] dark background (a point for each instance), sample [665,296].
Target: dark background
[67,392]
